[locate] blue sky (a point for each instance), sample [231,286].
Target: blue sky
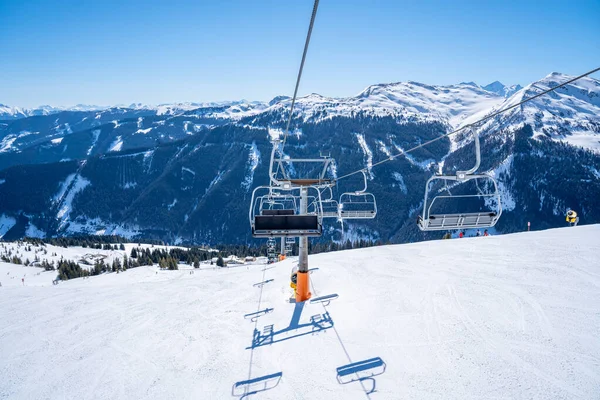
[119,52]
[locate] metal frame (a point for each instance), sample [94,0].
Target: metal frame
[360,198]
[295,222]
[440,221]
[286,182]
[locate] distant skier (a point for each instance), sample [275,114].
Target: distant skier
[461,235]
[23,280]
[485,233]
[478,233]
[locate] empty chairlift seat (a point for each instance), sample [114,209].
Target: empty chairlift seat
[432,219]
[458,221]
[358,205]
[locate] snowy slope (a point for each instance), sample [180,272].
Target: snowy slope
[571,113]
[410,100]
[501,89]
[505,317]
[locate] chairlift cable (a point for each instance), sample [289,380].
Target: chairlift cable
[308,35]
[390,158]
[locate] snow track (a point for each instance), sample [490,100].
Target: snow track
[505,317]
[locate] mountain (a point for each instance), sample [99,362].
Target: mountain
[505,317]
[186,174]
[501,90]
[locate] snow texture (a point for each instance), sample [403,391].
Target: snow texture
[367,152]
[510,317]
[6,223]
[253,161]
[76,185]
[117,144]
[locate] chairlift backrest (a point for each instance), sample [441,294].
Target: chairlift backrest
[359,204]
[284,222]
[434,220]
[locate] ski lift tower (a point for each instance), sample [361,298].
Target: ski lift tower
[303,221]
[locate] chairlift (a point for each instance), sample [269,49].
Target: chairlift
[433,220]
[268,221]
[328,204]
[358,205]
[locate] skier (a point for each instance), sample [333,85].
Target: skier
[23,280]
[461,235]
[478,233]
[485,233]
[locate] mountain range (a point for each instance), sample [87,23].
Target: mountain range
[184,172]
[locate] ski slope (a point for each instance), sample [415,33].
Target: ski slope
[506,317]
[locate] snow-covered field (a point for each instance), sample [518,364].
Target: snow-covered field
[506,317]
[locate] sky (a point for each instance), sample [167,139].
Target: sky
[67,52]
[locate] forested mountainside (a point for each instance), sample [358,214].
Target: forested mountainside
[186,174]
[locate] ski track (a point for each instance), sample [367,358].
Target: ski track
[503,317]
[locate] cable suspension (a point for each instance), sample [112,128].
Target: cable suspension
[308,35]
[495,114]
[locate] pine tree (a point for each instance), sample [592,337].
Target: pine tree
[220,262]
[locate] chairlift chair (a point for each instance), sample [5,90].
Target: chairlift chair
[358,205]
[433,221]
[285,221]
[329,205]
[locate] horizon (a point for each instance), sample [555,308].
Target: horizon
[66,53]
[123,105]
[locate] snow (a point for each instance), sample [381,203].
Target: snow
[77,185]
[253,161]
[367,152]
[425,165]
[407,100]
[6,223]
[570,113]
[64,185]
[508,317]
[96,134]
[401,185]
[500,174]
[6,143]
[34,232]
[187,170]
[57,140]
[96,226]
[116,145]
[143,131]
[275,133]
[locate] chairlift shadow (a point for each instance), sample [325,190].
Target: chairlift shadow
[255,315]
[269,335]
[261,284]
[325,300]
[361,371]
[243,389]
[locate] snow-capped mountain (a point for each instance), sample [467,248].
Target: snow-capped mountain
[502,90]
[409,101]
[12,113]
[570,113]
[183,172]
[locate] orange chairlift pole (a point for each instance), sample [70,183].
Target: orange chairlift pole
[303,283]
